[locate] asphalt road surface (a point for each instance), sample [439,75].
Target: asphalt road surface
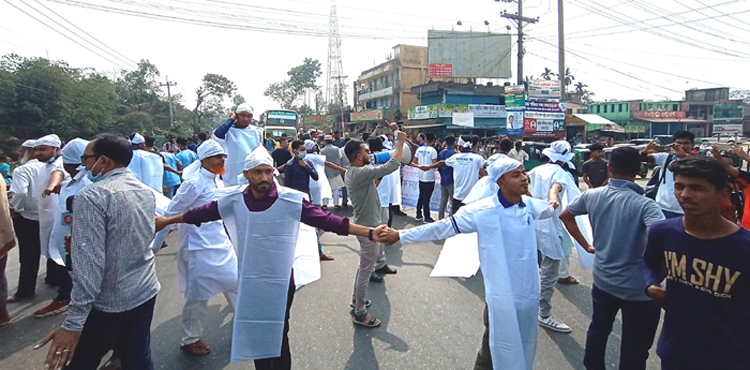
[427,323]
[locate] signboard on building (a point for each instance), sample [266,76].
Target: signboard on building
[546,106]
[543,128]
[514,123]
[544,115]
[471,54]
[388,91]
[727,128]
[728,112]
[366,115]
[463,119]
[440,70]
[639,114]
[423,112]
[487,111]
[515,99]
[447,110]
[634,128]
[544,89]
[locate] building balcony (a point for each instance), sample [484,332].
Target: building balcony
[367,95]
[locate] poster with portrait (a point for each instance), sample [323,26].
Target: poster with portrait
[515,123]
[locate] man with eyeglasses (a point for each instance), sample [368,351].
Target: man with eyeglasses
[239,135]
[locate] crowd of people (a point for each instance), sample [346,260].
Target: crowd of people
[250,209]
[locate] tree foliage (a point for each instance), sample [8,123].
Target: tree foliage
[302,81]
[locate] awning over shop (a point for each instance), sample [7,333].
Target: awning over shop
[423,125]
[593,122]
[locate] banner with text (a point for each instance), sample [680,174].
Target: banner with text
[423,112]
[410,189]
[463,119]
[367,115]
[515,98]
[487,111]
[544,89]
[514,123]
[546,106]
[543,128]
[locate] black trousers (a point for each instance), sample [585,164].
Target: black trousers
[129,332]
[425,193]
[29,251]
[455,205]
[66,283]
[283,362]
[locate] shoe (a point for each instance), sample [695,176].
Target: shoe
[568,281]
[16,298]
[53,308]
[429,220]
[385,270]
[326,257]
[398,212]
[419,218]
[552,323]
[376,278]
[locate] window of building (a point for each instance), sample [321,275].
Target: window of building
[627,107]
[675,107]
[605,109]
[620,107]
[612,108]
[386,81]
[598,109]
[375,85]
[381,80]
[570,111]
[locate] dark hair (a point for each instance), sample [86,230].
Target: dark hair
[595,147]
[465,138]
[683,135]
[149,140]
[114,147]
[347,139]
[352,148]
[283,138]
[337,132]
[475,139]
[182,141]
[519,142]
[365,136]
[705,168]
[625,161]
[506,145]
[422,135]
[450,140]
[375,144]
[430,137]
[297,143]
[202,136]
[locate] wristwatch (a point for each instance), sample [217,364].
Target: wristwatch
[372,230]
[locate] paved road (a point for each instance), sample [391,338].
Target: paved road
[428,323]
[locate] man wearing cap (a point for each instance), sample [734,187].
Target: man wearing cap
[332,154]
[26,151]
[239,135]
[263,221]
[24,207]
[146,166]
[503,218]
[71,157]
[555,184]
[206,261]
[47,151]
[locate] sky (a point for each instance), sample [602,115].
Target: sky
[621,49]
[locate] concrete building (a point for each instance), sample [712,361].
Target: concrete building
[384,91]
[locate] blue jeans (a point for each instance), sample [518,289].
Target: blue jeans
[129,332]
[668,214]
[639,322]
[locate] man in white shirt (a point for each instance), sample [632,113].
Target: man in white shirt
[468,167]
[518,153]
[682,147]
[504,146]
[426,155]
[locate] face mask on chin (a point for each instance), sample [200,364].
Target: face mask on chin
[90,174]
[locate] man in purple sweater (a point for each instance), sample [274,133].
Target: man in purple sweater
[263,221]
[706,261]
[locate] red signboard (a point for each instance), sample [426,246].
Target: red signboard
[440,70]
[658,114]
[543,128]
[318,118]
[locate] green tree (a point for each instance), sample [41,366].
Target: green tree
[302,79]
[210,97]
[548,74]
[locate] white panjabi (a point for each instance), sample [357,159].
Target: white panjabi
[487,185]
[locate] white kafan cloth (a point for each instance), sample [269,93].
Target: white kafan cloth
[148,168]
[238,143]
[319,189]
[60,229]
[47,205]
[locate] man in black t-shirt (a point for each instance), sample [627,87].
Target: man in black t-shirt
[281,156]
[594,170]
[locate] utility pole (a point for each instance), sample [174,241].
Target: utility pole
[561,48]
[519,19]
[169,97]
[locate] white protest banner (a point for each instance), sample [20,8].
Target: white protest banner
[463,119]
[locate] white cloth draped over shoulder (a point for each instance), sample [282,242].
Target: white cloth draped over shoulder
[507,254]
[319,189]
[68,189]
[238,143]
[551,233]
[48,205]
[148,168]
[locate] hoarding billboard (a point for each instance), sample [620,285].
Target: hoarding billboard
[544,89]
[543,128]
[515,98]
[367,115]
[514,123]
[546,106]
[658,114]
[470,54]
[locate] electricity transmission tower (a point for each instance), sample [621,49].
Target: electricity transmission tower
[335,88]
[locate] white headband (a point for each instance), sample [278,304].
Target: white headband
[487,185]
[29,143]
[137,139]
[245,107]
[73,151]
[257,157]
[463,144]
[209,148]
[48,140]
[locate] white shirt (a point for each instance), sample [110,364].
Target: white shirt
[494,157]
[425,156]
[23,199]
[665,196]
[466,168]
[520,156]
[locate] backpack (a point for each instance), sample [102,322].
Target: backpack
[657,178]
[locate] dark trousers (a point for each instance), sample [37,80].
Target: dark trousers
[27,232]
[52,277]
[425,193]
[283,362]
[129,332]
[639,322]
[344,197]
[66,283]
[484,358]
[455,205]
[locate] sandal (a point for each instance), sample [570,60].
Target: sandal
[367,303]
[198,348]
[568,281]
[373,322]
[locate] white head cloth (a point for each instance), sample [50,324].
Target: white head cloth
[386,143]
[257,157]
[463,144]
[210,148]
[309,144]
[487,186]
[73,151]
[49,140]
[137,139]
[245,107]
[560,151]
[29,143]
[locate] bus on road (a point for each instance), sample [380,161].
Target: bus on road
[281,121]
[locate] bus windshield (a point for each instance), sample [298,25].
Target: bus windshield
[281,118]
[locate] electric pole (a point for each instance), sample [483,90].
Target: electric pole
[561,48]
[169,97]
[520,20]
